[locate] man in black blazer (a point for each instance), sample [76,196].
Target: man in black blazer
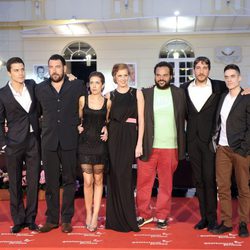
[203,95]
[21,143]
[233,151]
[58,99]
[163,144]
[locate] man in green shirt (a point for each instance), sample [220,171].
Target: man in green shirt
[163,144]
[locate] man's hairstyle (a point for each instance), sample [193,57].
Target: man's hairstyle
[13,60]
[202,59]
[57,57]
[232,66]
[164,64]
[97,74]
[40,67]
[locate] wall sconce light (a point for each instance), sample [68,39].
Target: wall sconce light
[126,4]
[2,63]
[176,55]
[177,13]
[37,4]
[88,60]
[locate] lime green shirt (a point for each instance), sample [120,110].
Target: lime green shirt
[165,135]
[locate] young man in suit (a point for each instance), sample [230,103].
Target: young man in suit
[203,95]
[58,99]
[163,144]
[233,151]
[21,143]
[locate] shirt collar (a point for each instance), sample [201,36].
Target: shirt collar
[14,91]
[208,83]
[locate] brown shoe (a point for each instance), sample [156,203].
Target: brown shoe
[66,228]
[47,227]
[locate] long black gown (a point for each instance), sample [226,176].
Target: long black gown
[120,211]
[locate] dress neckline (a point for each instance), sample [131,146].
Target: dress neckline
[129,89]
[96,109]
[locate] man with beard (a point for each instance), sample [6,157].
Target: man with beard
[163,144]
[203,95]
[58,99]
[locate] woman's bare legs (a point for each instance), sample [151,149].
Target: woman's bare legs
[88,191]
[98,190]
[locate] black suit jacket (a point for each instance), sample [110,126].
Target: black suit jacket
[18,120]
[237,124]
[60,116]
[180,109]
[202,123]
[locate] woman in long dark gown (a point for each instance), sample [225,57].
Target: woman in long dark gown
[126,129]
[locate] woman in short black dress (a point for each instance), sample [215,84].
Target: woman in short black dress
[93,110]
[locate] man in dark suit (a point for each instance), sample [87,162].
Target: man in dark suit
[203,95]
[233,151]
[163,144]
[58,99]
[21,143]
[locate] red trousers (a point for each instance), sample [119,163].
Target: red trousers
[162,162]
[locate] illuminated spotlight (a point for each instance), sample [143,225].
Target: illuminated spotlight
[177,13]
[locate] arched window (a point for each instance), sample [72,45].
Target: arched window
[81,59]
[181,55]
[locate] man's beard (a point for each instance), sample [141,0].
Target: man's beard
[201,78]
[165,86]
[58,78]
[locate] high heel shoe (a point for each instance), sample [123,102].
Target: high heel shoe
[92,229]
[88,227]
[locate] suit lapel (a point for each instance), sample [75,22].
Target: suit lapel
[220,106]
[10,96]
[236,102]
[188,97]
[209,101]
[215,92]
[31,92]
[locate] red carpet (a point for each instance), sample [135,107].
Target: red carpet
[179,235]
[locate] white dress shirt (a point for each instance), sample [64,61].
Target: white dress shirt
[199,94]
[225,110]
[23,99]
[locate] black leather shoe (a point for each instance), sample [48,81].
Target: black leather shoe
[32,226]
[211,226]
[16,229]
[66,228]
[221,229]
[47,227]
[201,225]
[243,231]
